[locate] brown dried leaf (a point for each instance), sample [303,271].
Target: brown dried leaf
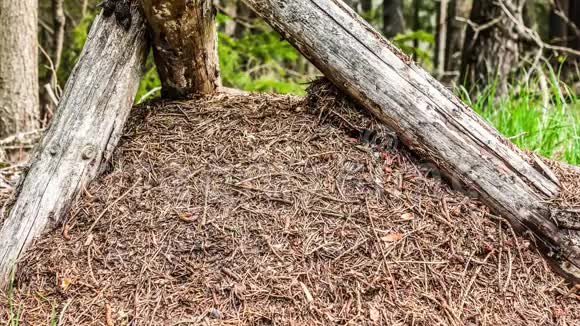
[396,236]
[65,283]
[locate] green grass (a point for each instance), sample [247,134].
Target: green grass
[14,311]
[551,130]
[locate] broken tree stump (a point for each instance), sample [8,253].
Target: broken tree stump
[428,118]
[184,36]
[88,124]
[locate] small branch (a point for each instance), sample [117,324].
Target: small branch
[59,21]
[531,35]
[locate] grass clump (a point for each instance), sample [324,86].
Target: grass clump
[545,120]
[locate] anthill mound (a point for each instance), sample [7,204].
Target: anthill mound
[254,210]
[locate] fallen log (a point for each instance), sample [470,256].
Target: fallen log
[428,118]
[88,124]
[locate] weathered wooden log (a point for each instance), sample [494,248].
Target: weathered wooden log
[88,124]
[184,36]
[428,118]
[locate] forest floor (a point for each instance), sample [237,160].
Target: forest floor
[258,209]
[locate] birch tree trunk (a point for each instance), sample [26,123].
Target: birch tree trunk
[185,46]
[19,108]
[429,119]
[82,136]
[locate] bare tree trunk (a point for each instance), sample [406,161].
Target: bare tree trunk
[558,27]
[427,117]
[366,6]
[574,29]
[185,45]
[492,48]
[82,136]
[441,38]
[244,17]
[393,19]
[417,4]
[19,110]
[455,34]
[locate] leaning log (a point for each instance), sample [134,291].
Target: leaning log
[86,128]
[428,118]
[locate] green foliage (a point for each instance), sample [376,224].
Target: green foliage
[552,131]
[150,85]
[259,61]
[422,54]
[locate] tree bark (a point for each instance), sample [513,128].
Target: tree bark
[19,104]
[441,38]
[417,4]
[558,27]
[574,29]
[59,21]
[491,49]
[428,118]
[455,34]
[83,134]
[393,19]
[185,46]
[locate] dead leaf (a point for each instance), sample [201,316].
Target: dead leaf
[187,217]
[374,314]
[109,315]
[408,217]
[309,297]
[396,236]
[65,283]
[65,232]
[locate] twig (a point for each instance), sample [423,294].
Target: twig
[530,34]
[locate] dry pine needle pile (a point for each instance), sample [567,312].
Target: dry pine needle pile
[276,210]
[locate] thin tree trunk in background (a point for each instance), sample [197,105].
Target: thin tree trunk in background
[81,139]
[455,34]
[574,30]
[59,21]
[558,27]
[84,7]
[491,49]
[366,6]
[441,38]
[244,16]
[185,46]
[19,103]
[393,19]
[417,4]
